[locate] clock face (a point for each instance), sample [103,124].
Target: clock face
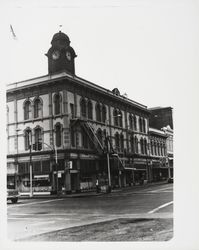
[68,55]
[55,55]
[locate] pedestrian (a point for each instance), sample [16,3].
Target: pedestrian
[97,186]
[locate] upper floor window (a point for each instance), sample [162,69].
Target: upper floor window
[27,110]
[27,138]
[121,142]
[85,141]
[37,108]
[136,144]
[98,112]
[130,121]
[142,146]
[145,146]
[90,110]
[38,138]
[117,141]
[104,113]
[120,118]
[57,103]
[100,136]
[134,123]
[144,126]
[58,134]
[132,143]
[83,108]
[152,148]
[72,110]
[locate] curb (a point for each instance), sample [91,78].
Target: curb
[90,194]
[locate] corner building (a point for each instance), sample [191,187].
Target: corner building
[69,130]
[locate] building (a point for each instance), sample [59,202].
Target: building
[159,156]
[161,117]
[66,133]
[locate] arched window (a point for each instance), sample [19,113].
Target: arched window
[144,126]
[120,118]
[140,124]
[98,112]
[57,104]
[145,146]
[27,138]
[38,138]
[142,146]
[27,110]
[134,123]
[83,108]
[155,148]
[121,142]
[152,148]
[130,121]
[132,143]
[37,108]
[84,139]
[115,117]
[90,110]
[136,144]
[58,134]
[104,113]
[117,141]
[100,136]
[158,148]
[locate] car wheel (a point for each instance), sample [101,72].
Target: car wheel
[14,200]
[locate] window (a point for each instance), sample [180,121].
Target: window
[136,144]
[72,137]
[37,108]
[99,136]
[38,139]
[121,142]
[151,147]
[120,118]
[84,139]
[27,110]
[98,112]
[58,134]
[28,138]
[83,108]
[145,146]
[140,124]
[57,103]
[134,123]
[115,117]
[117,141]
[132,143]
[144,126]
[142,146]
[90,110]
[155,148]
[130,122]
[72,110]
[104,113]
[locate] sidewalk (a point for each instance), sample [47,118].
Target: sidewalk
[87,193]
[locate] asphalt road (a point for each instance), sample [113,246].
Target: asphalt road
[31,217]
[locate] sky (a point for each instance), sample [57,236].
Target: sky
[144,48]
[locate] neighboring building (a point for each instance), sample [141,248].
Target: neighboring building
[169,132]
[69,130]
[161,117]
[158,152]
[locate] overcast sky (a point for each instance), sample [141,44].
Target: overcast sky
[146,49]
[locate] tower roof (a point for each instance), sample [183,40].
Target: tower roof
[60,37]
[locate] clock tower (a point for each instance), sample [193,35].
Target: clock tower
[61,56]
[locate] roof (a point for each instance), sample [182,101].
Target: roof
[64,75]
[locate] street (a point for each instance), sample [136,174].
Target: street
[31,217]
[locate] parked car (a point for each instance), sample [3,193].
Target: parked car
[170,180]
[13,195]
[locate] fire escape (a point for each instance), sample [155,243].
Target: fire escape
[101,149]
